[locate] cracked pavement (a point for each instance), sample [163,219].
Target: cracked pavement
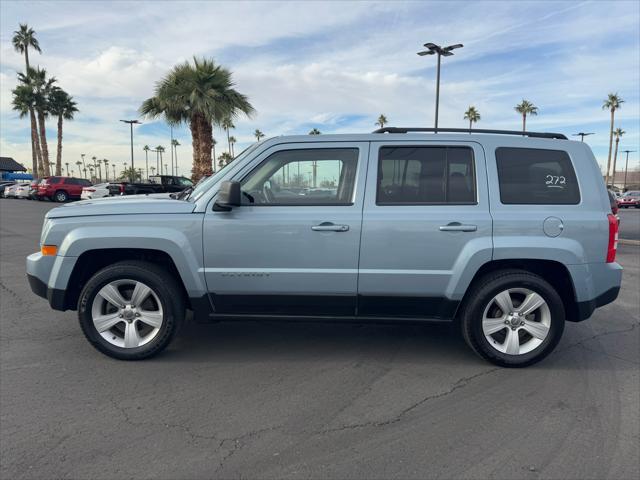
[287,400]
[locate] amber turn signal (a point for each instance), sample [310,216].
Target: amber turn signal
[49,250]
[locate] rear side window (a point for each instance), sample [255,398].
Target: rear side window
[426,176]
[54,180]
[530,176]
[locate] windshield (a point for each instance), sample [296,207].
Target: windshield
[204,185]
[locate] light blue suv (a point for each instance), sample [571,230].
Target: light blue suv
[507,235]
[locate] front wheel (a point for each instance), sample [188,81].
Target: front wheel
[131,310]
[513,318]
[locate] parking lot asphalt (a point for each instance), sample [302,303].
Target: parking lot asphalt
[287,400]
[629,223]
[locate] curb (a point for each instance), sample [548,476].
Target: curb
[624,241]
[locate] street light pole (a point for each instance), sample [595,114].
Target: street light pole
[131,123]
[626,168]
[582,135]
[432,49]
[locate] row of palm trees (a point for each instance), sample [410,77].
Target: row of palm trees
[38,96]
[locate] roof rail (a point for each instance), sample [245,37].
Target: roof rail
[558,136]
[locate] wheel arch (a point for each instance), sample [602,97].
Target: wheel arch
[552,271]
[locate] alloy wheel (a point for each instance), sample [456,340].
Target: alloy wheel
[516,321]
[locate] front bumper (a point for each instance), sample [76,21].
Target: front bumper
[42,273]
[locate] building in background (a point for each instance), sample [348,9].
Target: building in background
[12,170]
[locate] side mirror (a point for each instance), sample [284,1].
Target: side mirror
[229,196]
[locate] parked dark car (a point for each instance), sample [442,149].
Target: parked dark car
[61,189]
[156,184]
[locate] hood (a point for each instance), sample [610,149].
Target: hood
[125,205]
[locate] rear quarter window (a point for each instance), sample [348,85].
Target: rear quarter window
[531,176]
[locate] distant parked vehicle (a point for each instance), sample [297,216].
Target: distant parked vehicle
[10,192]
[22,191]
[614,202]
[95,191]
[5,185]
[156,184]
[33,189]
[61,189]
[630,199]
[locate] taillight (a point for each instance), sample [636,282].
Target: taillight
[613,238]
[122,188]
[89,189]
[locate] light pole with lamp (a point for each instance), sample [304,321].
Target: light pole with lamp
[131,123]
[432,49]
[582,135]
[626,168]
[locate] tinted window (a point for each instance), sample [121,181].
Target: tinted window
[425,175]
[532,176]
[54,180]
[323,176]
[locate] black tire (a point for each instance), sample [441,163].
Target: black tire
[168,291]
[481,294]
[61,196]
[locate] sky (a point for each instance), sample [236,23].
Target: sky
[331,65]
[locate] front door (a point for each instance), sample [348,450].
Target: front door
[292,247]
[426,227]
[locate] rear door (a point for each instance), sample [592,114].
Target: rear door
[426,227]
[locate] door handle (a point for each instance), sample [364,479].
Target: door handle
[458,227]
[330,227]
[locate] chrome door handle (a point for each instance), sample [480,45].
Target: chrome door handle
[458,227]
[330,227]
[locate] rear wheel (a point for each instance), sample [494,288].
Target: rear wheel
[61,196]
[513,318]
[131,310]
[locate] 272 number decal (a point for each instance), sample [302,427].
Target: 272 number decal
[555,180]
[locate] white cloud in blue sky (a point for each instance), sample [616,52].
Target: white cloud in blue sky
[331,65]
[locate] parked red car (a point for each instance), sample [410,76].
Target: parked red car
[61,189]
[629,199]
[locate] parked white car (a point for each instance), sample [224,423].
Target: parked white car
[22,190]
[10,192]
[95,191]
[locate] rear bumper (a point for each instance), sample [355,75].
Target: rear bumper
[596,285]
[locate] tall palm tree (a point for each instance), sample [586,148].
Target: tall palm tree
[382,121]
[24,103]
[61,105]
[315,131]
[106,169]
[232,142]
[258,134]
[472,115]
[153,169]
[23,39]
[618,132]
[225,158]
[43,86]
[146,149]
[213,154]
[612,103]
[200,94]
[175,144]
[525,108]
[227,124]
[67,165]
[78,163]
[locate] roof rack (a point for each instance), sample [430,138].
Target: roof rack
[558,136]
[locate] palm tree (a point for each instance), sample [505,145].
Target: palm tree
[24,102]
[146,158]
[227,124]
[23,39]
[612,103]
[232,142]
[106,169]
[78,163]
[472,115]
[61,105]
[258,134]
[43,87]
[91,170]
[618,132]
[153,169]
[67,165]
[213,153]
[382,121]
[175,144]
[225,158]
[526,108]
[200,94]
[315,131]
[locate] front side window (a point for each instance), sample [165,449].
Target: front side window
[531,176]
[317,176]
[425,176]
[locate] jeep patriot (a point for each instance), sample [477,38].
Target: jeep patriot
[507,235]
